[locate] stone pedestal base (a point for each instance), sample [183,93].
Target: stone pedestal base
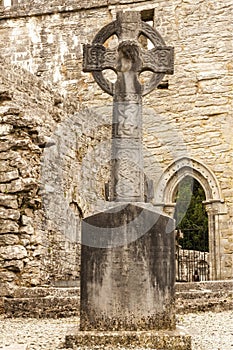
[158,340]
[127,270]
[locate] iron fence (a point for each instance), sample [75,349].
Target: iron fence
[192,265]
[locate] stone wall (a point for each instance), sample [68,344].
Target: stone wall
[27,115]
[192,118]
[35,247]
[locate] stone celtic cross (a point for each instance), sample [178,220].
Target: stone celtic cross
[127,278]
[128,61]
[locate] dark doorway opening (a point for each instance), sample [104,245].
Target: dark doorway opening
[192,239]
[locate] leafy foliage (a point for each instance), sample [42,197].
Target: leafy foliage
[191,216]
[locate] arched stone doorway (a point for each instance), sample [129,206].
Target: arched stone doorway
[164,199]
[192,235]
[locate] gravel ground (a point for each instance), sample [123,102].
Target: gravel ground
[210,331]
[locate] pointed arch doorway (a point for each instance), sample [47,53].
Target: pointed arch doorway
[192,238]
[165,200]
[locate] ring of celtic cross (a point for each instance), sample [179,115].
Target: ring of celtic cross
[164,57]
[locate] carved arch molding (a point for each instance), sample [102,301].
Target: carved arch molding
[166,190]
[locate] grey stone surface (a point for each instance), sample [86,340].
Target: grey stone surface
[173,340]
[127,270]
[128,61]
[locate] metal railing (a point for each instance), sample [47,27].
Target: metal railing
[192,263]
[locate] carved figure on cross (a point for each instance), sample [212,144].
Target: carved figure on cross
[128,61]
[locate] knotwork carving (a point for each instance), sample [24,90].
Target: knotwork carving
[106,32]
[127,120]
[94,56]
[127,172]
[158,59]
[152,34]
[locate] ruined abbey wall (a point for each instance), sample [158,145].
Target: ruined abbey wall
[190,119]
[43,173]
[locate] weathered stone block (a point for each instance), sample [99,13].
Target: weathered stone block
[11,214]
[4,145]
[9,239]
[4,164]
[7,276]
[9,201]
[12,187]
[7,226]
[14,265]
[52,306]
[9,176]
[127,270]
[5,129]
[164,340]
[13,252]
[27,220]
[27,229]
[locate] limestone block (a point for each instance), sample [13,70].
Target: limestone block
[219,168]
[17,159]
[37,238]
[5,129]
[7,276]
[9,176]
[9,239]
[19,185]
[13,252]
[5,95]
[33,277]
[227,261]
[9,201]
[4,165]
[12,214]
[28,229]
[8,109]
[7,289]
[26,220]
[7,155]
[14,265]
[228,247]
[208,75]
[35,281]
[37,252]
[7,226]
[12,187]
[5,146]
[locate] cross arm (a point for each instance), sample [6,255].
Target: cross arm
[159,60]
[96,57]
